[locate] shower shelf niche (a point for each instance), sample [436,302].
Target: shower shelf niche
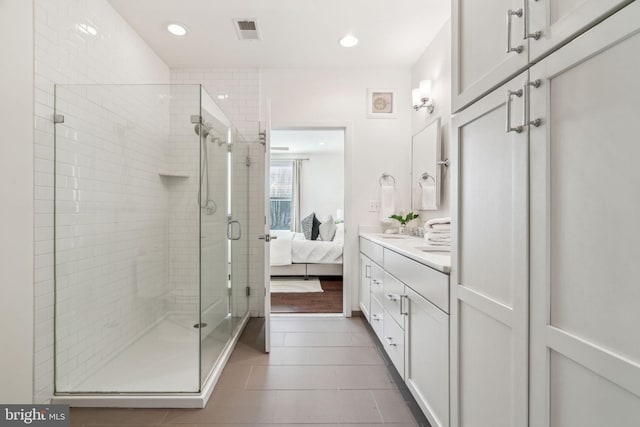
[166,174]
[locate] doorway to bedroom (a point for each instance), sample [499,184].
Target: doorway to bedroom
[306,198]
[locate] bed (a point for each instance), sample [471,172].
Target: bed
[293,255]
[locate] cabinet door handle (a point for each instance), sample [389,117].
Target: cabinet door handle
[527,103]
[510,14]
[527,35]
[367,271]
[390,342]
[392,297]
[511,94]
[404,308]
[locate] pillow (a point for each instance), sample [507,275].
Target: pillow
[327,229]
[315,229]
[307,225]
[339,237]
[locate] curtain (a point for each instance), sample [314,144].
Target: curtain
[295,197]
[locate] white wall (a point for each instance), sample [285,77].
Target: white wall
[307,97]
[16,193]
[64,54]
[321,183]
[435,65]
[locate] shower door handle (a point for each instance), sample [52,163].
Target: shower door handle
[230,230]
[267,238]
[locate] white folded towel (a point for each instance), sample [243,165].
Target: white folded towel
[440,228]
[439,239]
[428,196]
[446,231]
[432,222]
[387,203]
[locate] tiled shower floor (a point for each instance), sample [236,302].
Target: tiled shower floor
[320,372]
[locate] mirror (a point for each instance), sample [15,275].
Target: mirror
[425,171]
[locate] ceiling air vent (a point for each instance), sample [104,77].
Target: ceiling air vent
[246,28]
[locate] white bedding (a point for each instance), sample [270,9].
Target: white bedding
[292,247]
[280,247]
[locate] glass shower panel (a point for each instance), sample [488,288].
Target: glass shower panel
[126,239]
[215,303]
[242,163]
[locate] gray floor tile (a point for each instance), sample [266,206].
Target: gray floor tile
[327,339]
[323,377]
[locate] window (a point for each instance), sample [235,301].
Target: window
[281,194]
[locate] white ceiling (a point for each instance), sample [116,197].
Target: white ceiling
[295,33]
[307,141]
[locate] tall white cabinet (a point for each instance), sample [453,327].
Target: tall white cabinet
[494,40]
[585,235]
[545,282]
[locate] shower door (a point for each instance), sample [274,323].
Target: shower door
[223,234]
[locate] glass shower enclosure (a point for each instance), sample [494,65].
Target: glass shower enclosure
[151,215]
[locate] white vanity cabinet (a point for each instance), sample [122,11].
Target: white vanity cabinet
[426,365]
[408,312]
[365,286]
[494,40]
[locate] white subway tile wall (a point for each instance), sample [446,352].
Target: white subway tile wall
[68,52]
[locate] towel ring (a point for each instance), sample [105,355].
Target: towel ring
[386,176]
[425,177]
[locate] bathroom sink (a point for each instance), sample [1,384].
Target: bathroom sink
[432,249]
[393,236]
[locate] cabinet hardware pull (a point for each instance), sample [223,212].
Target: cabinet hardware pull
[510,94]
[390,342]
[404,309]
[527,103]
[527,35]
[392,297]
[367,271]
[510,13]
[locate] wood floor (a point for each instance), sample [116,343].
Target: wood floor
[329,301]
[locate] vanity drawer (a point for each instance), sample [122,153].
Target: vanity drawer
[377,318]
[429,283]
[392,298]
[393,342]
[377,280]
[372,250]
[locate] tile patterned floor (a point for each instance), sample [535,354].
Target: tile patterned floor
[320,372]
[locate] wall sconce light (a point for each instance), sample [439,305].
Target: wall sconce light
[421,97]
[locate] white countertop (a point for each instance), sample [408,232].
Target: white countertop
[408,246]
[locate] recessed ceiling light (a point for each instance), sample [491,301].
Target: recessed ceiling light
[348,41]
[177,29]
[223,96]
[323,143]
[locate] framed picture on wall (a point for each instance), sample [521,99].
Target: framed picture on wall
[381,104]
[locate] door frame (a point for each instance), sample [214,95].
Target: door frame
[349,257]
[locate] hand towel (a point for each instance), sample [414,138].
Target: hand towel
[387,203]
[428,197]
